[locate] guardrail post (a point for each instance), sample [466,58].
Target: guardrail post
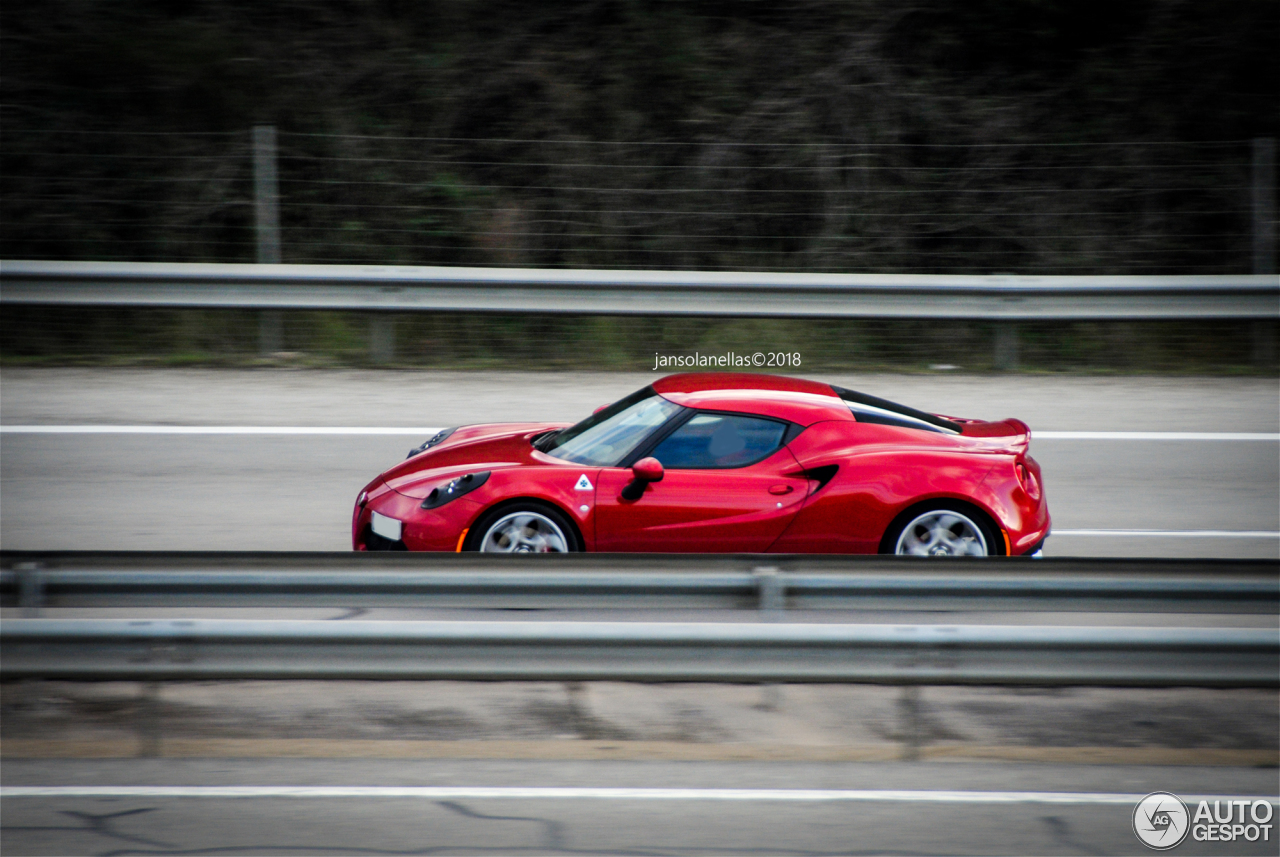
[267,215]
[30,588]
[909,709]
[1006,357]
[772,590]
[270,331]
[149,720]
[382,337]
[770,697]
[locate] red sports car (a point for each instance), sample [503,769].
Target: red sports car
[720,463]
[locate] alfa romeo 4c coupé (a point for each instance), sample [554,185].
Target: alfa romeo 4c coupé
[723,463]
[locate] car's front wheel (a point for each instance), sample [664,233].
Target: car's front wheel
[942,529]
[524,528]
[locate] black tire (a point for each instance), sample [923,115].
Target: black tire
[541,527]
[928,518]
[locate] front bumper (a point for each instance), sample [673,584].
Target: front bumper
[439,529]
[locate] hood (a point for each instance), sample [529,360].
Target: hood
[470,448]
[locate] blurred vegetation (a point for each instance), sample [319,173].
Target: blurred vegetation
[170,337]
[935,136]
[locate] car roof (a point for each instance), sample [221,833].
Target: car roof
[696,382]
[794,399]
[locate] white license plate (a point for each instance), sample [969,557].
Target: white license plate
[388,528]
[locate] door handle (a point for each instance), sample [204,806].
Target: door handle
[781,489]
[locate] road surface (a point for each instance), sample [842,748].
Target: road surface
[1110,494]
[633,808]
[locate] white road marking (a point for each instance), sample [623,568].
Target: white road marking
[1167,534]
[1154,435]
[579,793]
[158,429]
[409,430]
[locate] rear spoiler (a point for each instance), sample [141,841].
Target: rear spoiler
[1011,434]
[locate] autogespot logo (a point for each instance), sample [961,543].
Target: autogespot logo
[1161,821]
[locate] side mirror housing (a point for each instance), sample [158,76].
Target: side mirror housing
[644,471]
[648,470]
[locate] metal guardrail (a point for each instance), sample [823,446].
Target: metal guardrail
[619,292]
[638,651]
[34,580]
[573,590]
[770,651]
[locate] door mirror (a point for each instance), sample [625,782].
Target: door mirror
[644,471]
[648,470]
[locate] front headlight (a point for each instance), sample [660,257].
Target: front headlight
[455,489]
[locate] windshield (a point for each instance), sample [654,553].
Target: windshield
[607,437]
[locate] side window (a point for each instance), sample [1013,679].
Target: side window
[719,440]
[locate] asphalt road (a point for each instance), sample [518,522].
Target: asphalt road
[294,491]
[869,808]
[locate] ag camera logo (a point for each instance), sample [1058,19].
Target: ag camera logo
[1160,821]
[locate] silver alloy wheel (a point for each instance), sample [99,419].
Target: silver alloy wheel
[942,532]
[524,532]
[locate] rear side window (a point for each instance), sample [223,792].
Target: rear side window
[709,441]
[869,409]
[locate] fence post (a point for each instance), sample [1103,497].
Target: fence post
[266,197]
[1264,239]
[1264,205]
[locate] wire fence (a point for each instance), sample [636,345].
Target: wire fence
[1113,207]
[1127,207]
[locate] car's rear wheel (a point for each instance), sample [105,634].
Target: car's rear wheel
[524,528]
[942,529]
